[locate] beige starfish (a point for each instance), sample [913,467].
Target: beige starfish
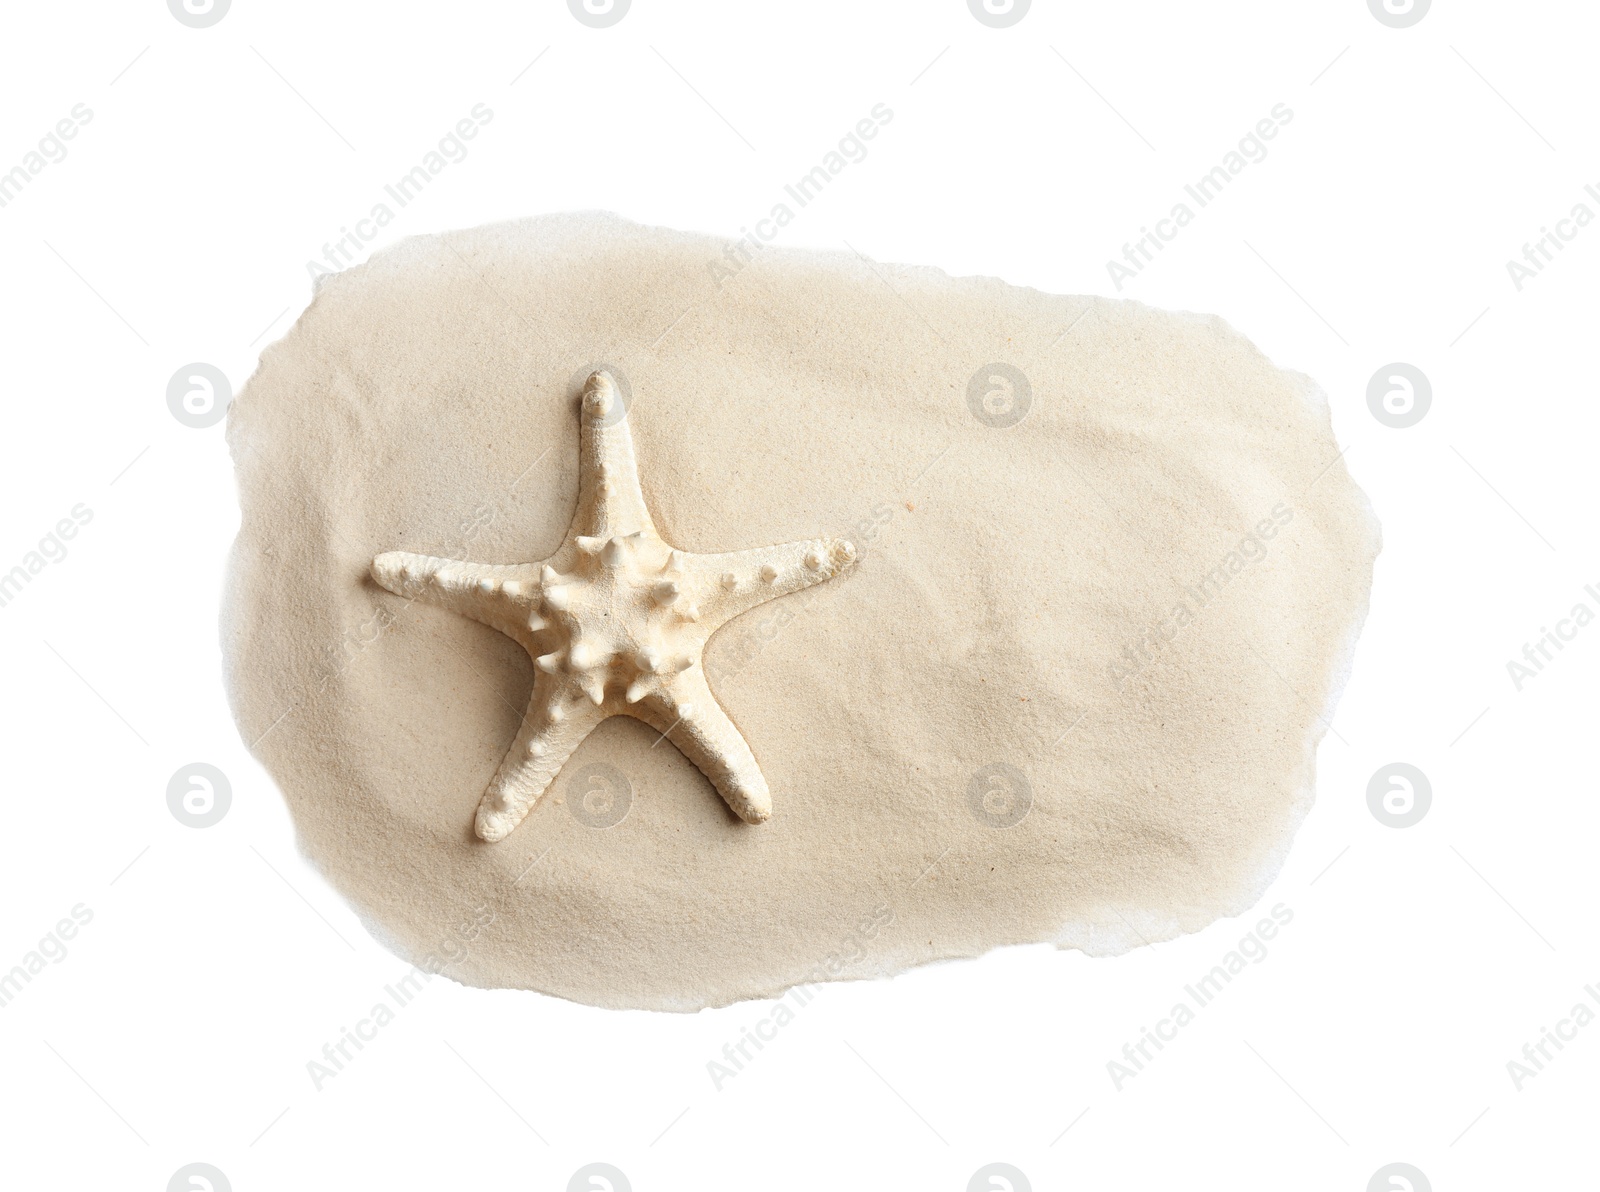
[616,622]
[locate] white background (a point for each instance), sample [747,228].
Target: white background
[1419,962]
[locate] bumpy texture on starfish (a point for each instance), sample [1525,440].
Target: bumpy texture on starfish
[615,621]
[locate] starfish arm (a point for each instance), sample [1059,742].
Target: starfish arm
[530,766]
[610,501]
[503,597]
[732,583]
[689,716]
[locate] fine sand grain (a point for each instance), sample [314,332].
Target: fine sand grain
[1071,691]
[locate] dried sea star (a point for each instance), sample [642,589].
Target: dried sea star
[616,622]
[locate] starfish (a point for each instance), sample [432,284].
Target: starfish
[616,622]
